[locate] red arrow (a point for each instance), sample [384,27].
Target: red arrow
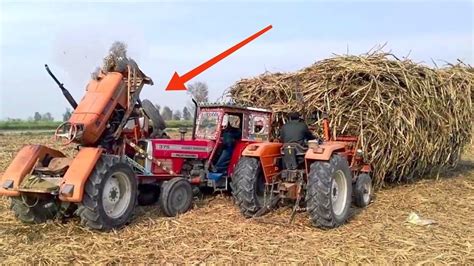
[177,82]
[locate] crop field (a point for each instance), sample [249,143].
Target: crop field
[215,232]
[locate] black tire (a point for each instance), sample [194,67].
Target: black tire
[176,196]
[154,115]
[35,210]
[362,190]
[320,204]
[92,209]
[248,186]
[148,194]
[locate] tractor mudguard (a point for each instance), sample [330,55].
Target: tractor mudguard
[22,165]
[73,183]
[268,152]
[323,152]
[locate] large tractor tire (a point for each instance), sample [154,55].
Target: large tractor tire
[176,196]
[110,195]
[329,192]
[248,186]
[33,210]
[154,115]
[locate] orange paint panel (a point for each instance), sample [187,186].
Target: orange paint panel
[79,171]
[324,151]
[98,102]
[22,165]
[267,152]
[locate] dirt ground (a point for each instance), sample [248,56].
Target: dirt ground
[215,232]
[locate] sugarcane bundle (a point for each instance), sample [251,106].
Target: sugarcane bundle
[410,118]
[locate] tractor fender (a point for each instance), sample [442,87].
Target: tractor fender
[268,153]
[323,152]
[73,183]
[22,165]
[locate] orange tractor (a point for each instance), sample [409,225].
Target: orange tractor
[124,157]
[323,178]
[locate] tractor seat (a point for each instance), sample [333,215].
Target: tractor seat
[300,150]
[57,166]
[293,155]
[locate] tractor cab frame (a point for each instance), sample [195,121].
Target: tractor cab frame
[172,171]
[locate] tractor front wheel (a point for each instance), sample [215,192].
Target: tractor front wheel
[329,192]
[248,186]
[362,190]
[33,210]
[110,195]
[176,196]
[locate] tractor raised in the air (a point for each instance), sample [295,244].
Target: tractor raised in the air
[323,178]
[123,155]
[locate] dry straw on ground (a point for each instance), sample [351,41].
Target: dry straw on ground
[410,118]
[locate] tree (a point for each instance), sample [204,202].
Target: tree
[67,114]
[177,115]
[167,113]
[47,117]
[186,114]
[199,91]
[37,116]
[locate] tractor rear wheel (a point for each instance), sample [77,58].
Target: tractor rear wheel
[362,190]
[110,195]
[329,192]
[33,210]
[248,186]
[176,196]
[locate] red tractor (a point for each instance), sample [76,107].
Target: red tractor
[124,156]
[323,178]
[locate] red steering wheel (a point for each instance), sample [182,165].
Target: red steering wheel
[69,133]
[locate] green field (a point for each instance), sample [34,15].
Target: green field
[51,125]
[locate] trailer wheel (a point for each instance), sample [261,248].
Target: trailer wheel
[148,194]
[110,195]
[248,186]
[33,210]
[176,196]
[154,115]
[329,192]
[362,190]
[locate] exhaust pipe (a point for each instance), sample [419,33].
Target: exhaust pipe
[66,93]
[195,118]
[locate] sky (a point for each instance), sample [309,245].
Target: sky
[72,37]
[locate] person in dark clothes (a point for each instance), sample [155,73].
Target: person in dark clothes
[295,131]
[230,135]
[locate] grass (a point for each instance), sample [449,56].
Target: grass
[51,125]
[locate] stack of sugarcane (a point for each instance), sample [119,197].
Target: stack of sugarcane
[411,119]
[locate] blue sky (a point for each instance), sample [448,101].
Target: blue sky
[163,37]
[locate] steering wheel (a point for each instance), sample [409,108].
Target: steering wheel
[70,134]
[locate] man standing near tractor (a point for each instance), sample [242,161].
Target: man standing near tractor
[295,131]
